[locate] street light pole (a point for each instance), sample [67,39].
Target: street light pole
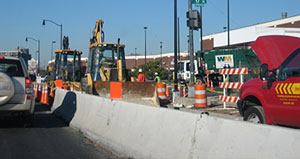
[52,49]
[161,54]
[145,45]
[135,56]
[38,41]
[60,25]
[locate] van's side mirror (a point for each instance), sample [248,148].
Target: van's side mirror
[264,72]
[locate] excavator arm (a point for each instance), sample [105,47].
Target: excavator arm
[98,33]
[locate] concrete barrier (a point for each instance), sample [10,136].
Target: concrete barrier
[141,131]
[64,105]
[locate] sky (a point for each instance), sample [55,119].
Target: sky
[124,19]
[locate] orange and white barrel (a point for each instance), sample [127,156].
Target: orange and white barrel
[200,95]
[161,90]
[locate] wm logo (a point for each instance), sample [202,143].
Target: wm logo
[224,58]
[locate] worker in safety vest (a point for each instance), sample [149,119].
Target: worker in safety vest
[141,76]
[156,78]
[132,79]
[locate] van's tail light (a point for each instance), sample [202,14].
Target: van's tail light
[28,88]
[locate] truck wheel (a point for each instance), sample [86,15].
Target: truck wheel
[255,114]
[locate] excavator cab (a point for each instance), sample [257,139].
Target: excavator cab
[67,66]
[106,61]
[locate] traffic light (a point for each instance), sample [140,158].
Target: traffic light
[194,19]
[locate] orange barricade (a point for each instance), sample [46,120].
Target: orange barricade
[200,95]
[59,83]
[161,90]
[115,90]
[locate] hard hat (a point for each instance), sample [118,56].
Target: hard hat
[140,70]
[132,70]
[155,73]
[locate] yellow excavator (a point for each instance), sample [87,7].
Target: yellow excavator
[106,64]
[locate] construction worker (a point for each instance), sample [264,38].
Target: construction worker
[132,79]
[156,78]
[141,76]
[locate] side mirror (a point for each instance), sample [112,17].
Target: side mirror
[264,72]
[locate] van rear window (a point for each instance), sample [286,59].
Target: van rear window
[11,67]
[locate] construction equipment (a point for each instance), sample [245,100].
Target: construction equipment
[106,64]
[66,71]
[106,60]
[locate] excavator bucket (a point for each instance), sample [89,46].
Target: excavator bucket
[136,92]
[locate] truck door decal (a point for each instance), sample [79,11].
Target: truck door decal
[288,93]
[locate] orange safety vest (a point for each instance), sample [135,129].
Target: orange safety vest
[141,77]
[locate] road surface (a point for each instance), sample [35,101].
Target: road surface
[48,137]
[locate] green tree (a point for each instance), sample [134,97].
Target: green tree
[150,68]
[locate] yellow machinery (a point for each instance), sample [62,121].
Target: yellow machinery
[106,64]
[66,70]
[106,61]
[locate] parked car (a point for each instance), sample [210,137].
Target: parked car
[16,88]
[274,98]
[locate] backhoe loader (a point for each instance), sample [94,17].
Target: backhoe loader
[66,70]
[106,64]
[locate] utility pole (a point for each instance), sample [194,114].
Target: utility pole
[191,46]
[201,33]
[178,41]
[228,28]
[175,47]
[145,45]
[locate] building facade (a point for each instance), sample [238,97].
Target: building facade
[239,38]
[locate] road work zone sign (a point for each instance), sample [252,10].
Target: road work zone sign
[224,60]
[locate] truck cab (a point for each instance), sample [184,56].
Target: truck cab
[274,98]
[184,71]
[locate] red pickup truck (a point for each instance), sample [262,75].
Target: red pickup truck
[274,98]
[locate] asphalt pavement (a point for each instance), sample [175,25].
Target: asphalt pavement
[47,138]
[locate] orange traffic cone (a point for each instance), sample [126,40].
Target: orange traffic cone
[35,90]
[51,92]
[167,91]
[43,94]
[208,84]
[185,92]
[46,96]
[212,87]
[39,92]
